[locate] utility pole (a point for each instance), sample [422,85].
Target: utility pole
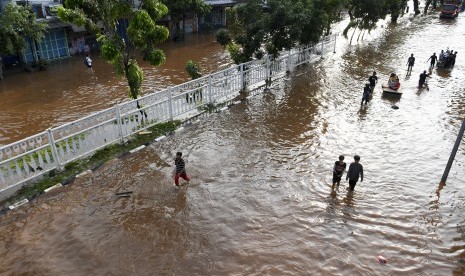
[452,155]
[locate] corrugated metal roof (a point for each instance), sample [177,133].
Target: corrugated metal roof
[221,2]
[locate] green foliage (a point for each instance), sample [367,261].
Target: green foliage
[154,56]
[135,78]
[193,70]
[279,25]
[223,37]
[365,14]
[16,22]
[140,28]
[142,31]
[236,53]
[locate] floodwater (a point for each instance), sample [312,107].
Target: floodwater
[260,199]
[67,90]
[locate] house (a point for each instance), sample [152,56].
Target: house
[64,39]
[217,16]
[54,45]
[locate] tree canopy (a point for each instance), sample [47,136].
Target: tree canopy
[258,27]
[365,14]
[102,18]
[17,22]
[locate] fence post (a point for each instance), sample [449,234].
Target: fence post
[335,37]
[120,124]
[452,155]
[322,46]
[242,76]
[170,102]
[268,69]
[288,61]
[210,99]
[51,141]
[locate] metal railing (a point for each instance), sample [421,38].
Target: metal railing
[52,149]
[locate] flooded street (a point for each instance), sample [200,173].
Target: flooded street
[260,199]
[33,102]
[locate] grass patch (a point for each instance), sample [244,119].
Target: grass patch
[72,169]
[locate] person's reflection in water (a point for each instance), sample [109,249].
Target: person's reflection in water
[362,112]
[332,202]
[348,200]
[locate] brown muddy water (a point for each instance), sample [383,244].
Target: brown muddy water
[260,199]
[67,90]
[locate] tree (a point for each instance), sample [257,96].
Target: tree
[193,70]
[17,23]
[102,18]
[247,30]
[178,10]
[365,14]
[272,26]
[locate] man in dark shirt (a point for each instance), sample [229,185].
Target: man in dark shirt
[410,63]
[422,80]
[355,170]
[366,93]
[373,79]
[180,169]
[433,59]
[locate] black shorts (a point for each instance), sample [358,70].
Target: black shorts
[352,184]
[336,179]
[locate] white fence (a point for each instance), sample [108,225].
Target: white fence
[52,149]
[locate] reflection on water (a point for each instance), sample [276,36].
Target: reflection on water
[260,200]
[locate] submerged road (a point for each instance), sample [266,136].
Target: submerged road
[260,199]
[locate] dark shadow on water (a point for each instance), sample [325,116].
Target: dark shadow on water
[362,112]
[391,98]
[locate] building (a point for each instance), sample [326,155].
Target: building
[217,16]
[54,45]
[63,39]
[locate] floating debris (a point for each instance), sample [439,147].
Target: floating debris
[381,259]
[128,193]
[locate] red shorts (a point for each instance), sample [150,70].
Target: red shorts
[183,175]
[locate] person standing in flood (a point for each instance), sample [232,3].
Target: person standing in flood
[410,63]
[373,79]
[180,170]
[433,59]
[355,171]
[422,80]
[338,171]
[88,61]
[366,93]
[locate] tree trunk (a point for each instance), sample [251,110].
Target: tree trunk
[403,6]
[427,4]
[351,16]
[435,4]
[416,6]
